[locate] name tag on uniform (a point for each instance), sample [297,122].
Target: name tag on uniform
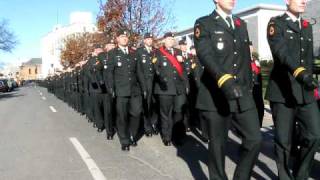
[289,31]
[219,32]
[220,45]
[164,63]
[119,64]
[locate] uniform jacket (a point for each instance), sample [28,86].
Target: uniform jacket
[222,50]
[291,48]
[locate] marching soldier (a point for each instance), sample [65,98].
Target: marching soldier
[126,83]
[108,99]
[257,85]
[222,44]
[290,90]
[144,55]
[96,96]
[170,86]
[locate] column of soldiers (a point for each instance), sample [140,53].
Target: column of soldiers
[134,91]
[169,91]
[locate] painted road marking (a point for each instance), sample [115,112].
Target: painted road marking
[92,166]
[53,109]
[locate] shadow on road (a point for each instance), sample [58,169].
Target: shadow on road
[12,94]
[193,152]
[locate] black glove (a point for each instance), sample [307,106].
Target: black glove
[309,83]
[232,90]
[163,84]
[94,85]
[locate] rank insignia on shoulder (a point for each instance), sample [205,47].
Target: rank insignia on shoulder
[154,60]
[271,30]
[197,32]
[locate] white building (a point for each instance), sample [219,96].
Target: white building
[257,18]
[52,43]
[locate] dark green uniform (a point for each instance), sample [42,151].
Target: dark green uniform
[291,94]
[145,65]
[223,50]
[96,93]
[108,96]
[170,87]
[126,83]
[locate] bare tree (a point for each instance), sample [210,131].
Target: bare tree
[7,38]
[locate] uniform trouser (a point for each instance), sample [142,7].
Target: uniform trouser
[128,110]
[89,106]
[81,102]
[99,110]
[108,118]
[258,99]
[247,124]
[170,113]
[284,117]
[149,113]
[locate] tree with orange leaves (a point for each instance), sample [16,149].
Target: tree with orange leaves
[137,16]
[77,47]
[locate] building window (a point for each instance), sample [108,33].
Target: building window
[29,71]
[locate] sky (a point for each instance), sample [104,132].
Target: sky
[30,20]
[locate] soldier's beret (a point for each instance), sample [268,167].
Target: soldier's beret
[147,35]
[182,42]
[122,32]
[168,34]
[96,46]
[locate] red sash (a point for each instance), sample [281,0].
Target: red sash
[173,60]
[316,94]
[255,68]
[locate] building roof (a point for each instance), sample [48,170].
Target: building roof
[33,61]
[262,6]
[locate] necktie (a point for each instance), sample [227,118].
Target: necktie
[297,23]
[125,51]
[230,22]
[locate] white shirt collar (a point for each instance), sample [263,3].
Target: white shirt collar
[124,49]
[224,16]
[293,17]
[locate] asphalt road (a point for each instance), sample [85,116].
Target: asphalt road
[41,138]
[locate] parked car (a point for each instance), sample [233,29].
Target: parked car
[8,84]
[3,87]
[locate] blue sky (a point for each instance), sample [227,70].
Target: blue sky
[32,19]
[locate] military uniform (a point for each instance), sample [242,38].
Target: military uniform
[96,93]
[170,87]
[290,92]
[225,91]
[126,82]
[108,96]
[144,64]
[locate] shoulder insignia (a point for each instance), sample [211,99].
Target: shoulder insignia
[271,30]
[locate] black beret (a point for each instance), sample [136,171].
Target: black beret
[148,35]
[182,42]
[168,34]
[122,32]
